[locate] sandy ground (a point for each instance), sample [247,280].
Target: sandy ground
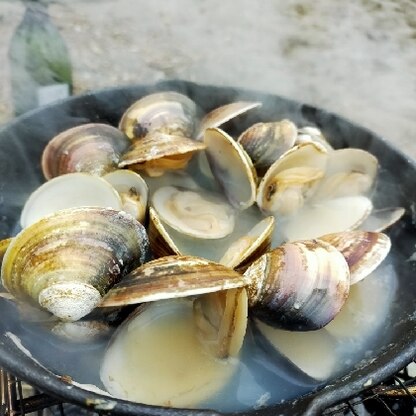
[357,58]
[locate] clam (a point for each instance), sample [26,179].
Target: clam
[231,167]
[312,134]
[165,112]
[199,214]
[307,357]
[172,277]
[3,247]
[158,152]
[67,191]
[327,216]
[91,148]
[221,322]
[132,189]
[381,219]
[243,251]
[349,172]
[298,286]
[292,179]
[161,242]
[159,343]
[67,261]
[266,142]
[363,251]
[220,115]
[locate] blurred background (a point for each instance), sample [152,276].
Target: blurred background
[355,58]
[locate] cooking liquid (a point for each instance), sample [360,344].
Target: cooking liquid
[259,378]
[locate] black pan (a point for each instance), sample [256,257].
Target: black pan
[21,144]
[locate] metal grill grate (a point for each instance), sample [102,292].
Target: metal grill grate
[396,396]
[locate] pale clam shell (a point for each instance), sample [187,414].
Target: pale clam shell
[309,134]
[242,252]
[166,112]
[328,216]
[161,242]
[266,142]
[199,214]
[158,152]
[90,148]
[164,331]
[220,115]
[298,286]
[364,251]
[68,191]
[349,172]
[231,167]
[312,354]
[221,321]
[292,179]
[133,191]
[172,277]
[381,219]
[67,261]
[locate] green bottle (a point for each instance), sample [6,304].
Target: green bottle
[40,66]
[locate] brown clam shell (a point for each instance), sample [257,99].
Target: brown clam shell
[91,148]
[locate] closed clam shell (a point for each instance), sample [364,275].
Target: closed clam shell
[172,277]
[292,179]
[219,116]
[158,152]
[196,213]
[67,261]
[363,250]
[3,247]
[231,167]
[91,148]
[266,142]
[167,112]
[298,286]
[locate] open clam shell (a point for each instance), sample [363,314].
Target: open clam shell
[166,112]
[91,148]
[68,191]
[298,286]
[172,277]
[67,261]
[196,213]
[242,252]
[363,251]
[158,152]
[266,142]
[159,341]
[220,115]
[292,179]
[312,134]
[381,219]
[327,216]
[221,321]
[349,172]
[133,191]
[308,357]
[231,167]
